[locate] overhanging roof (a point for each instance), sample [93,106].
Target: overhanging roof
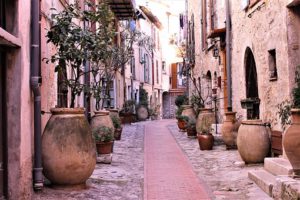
[151,17]
[217,33]
[123,9]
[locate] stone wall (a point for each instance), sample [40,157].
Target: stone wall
[267,26]
[265,30]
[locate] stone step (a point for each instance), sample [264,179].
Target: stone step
[263,179]
[278,166]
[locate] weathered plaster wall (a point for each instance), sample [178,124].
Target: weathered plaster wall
[204,60]
[265,30]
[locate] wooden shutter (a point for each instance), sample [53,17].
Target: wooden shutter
[174,76]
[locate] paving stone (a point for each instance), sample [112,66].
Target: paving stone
[220,169]
[121,180]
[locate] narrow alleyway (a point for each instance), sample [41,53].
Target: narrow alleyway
[168,174]
[154,161]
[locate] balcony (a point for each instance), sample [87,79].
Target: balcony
[123,9]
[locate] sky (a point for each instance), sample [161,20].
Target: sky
[175,6]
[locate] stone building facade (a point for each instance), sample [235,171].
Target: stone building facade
[264,44]
[17,99]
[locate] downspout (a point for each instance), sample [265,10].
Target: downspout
[228,55]
[35,81]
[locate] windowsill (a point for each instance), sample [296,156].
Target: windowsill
[273,79]
[8,39]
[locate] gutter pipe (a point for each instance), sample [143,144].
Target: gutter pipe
[228,55]
[35,82]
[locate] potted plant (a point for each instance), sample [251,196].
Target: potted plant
[127,113]
[142,109]
[191,128]
[68,127]
[182,122]
[104,137]
[118,127]
[292,135]
[205,138]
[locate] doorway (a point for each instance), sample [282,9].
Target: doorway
[3,172]
[251,84]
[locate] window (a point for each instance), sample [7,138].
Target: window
[163,66]
[272,65]
[109,96]
[8,18]
[146,69]
[132,67]
[157,72]
[203,25]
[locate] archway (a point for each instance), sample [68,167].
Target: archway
[251,84]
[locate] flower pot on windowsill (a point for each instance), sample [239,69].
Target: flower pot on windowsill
[191,132]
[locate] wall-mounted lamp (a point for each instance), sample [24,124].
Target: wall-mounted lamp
[216,51]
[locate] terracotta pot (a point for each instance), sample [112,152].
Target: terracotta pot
[253,141]
[206,142]
[104,147]
[68,147]
[118,133]
[188,111]
[102,118]
[191,132]
[205,113]
[142,113]
[228,135]
[181,125]
[291,141]
[127,118]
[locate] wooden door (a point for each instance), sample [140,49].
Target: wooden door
[2,126]
[174,75]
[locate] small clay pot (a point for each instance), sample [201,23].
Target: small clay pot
[182,125]
[191,132]
[104,147]
[206,142]
[118,133]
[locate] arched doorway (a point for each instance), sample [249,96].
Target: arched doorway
[251,85]
[166,105]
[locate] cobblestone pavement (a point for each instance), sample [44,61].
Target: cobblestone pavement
[223,171]
[120,180]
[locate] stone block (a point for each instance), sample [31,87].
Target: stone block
[278,166]
[263,179]
[286,187]
[104,158]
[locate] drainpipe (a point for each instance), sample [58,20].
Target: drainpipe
[228,55]
[35,86]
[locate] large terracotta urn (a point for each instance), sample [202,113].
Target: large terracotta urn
[205,113]
[102,118]
[291,141]
[228,134]
[68,147]
[188,111]
[253,141]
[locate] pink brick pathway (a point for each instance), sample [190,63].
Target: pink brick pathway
[168,173]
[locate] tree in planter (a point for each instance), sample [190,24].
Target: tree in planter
[74,46]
